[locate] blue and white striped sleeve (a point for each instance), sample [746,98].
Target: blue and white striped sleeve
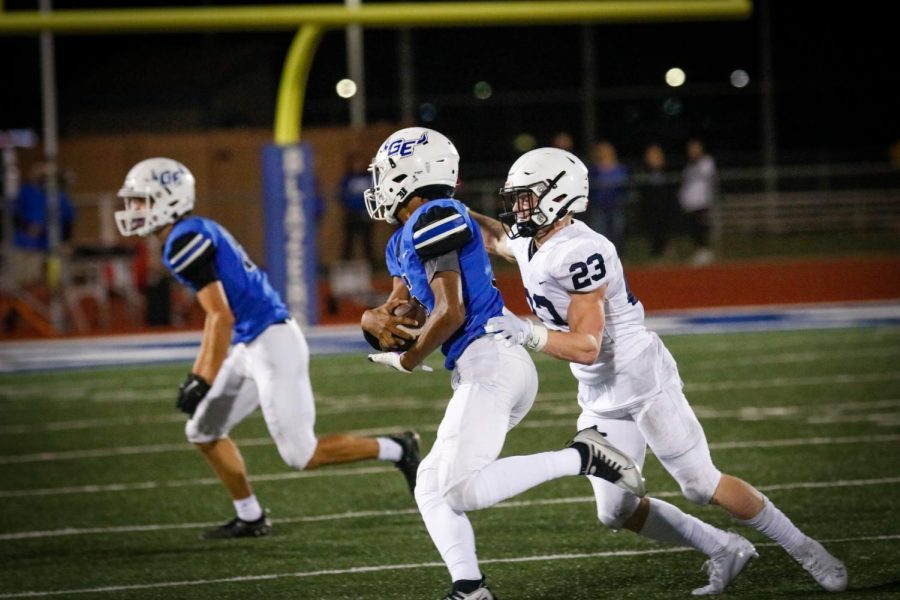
[192,258]
[440,230]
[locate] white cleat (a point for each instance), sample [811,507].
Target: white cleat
[605,461]
[828,571]
[482,593]
[724,566]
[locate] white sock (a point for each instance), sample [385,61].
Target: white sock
[667,523]
[389,450]
[248,509]
[513,475]
[774,524]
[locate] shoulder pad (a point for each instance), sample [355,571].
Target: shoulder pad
[189,248]
[439,230]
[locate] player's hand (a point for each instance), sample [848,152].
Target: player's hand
[191,393]
[383,325]
[392,360]
[512,330]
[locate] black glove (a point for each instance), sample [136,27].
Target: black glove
[190,393]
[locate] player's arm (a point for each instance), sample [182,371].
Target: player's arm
[581,344]
[439,234]
[448,315]
[493,235]
[193,258]
[380,324]
[216,331]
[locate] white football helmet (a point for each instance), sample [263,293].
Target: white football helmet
[408,160]
[165,191]
[542,187]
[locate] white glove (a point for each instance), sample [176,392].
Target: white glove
[392,360]
[512,330]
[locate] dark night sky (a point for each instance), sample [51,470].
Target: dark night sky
[835,80]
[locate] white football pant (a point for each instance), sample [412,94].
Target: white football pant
[654,412]
[272,372]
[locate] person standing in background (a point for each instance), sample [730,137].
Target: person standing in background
[353,186]
[698,190]
[564,141]
[609,182]
[657,201]
[31,219]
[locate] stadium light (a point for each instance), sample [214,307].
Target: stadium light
[346,88]
[675,77]
[739,78]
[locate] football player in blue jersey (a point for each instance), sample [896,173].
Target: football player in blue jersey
[252,352]
[438,258]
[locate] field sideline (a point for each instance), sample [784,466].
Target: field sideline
[102,498]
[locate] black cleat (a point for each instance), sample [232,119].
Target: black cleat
[409,462]
[480,592]
[601,459]
[238,528]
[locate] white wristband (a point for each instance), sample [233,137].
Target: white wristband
[538,338]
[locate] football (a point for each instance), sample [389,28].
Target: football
[410,310]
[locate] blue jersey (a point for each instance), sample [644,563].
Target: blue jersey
[199,251]
[435,229]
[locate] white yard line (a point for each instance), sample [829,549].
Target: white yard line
[345,472]
[69,531]
[751,384]
[397,567]
[545,404]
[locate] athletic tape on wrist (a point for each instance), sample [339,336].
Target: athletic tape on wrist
[538,338]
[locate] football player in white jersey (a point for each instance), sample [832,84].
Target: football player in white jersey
[628,383]
[252,352]
[437,256]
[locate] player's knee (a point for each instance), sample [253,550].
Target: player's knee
[699,486]
[427,493]
[614,512]
[462,497]
[297,456]
[201,438]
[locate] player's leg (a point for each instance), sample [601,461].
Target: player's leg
[654,518]
[678,441]
[753,509]
[449,529]
[280,366]
[231,398]
[677,438]
[495,388]
[469,438]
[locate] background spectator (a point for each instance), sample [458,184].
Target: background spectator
[657,200]
[564,141]
[353,185]
[698,189]
[31,219]
[609,181]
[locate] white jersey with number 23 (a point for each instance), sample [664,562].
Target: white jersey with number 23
[576,259]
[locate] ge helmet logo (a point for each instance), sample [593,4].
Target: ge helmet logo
[402,147]
[169,178]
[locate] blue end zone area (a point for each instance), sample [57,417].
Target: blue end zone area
[182,347]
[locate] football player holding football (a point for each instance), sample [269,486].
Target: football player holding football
[438,258]
[628,383]
[252,352]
